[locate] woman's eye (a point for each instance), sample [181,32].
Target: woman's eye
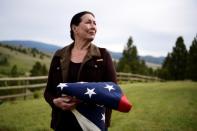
[89,22]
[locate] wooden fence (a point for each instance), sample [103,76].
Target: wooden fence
[11,88]
[128,77]
[20,86]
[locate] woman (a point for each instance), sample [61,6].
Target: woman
[79,61]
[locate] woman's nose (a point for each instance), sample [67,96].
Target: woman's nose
[93,25]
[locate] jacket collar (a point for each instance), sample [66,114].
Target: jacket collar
[65,54]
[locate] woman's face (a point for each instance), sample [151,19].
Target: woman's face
[86,29]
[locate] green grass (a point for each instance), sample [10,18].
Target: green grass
[167,106]
[29,115]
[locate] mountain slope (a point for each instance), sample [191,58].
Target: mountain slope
[24,62]
[151,59]
[44,47]
[147,59]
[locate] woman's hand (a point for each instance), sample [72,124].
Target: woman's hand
[65,102]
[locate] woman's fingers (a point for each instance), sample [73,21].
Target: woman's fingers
[68,106]
[65,103]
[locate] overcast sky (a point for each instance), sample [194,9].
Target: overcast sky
[153,24]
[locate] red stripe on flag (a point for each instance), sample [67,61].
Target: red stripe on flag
[124,105]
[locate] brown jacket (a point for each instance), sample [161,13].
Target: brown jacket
[96,67]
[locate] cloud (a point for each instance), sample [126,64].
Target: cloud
[153,24]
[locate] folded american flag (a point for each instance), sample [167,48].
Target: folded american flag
[100,94]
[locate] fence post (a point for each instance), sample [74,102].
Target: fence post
[6,83]
[26,82]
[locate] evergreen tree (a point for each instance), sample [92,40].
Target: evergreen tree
[35,71]
[135,62]
[129,60]
[3,59]
[14,71]
[44,70]
[142,68]
[38,69]
[192,61]
[179,60]
[175,64]
[164,71]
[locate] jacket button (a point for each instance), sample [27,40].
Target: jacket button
[96,66]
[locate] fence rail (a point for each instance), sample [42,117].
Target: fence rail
[25,86]
[135,77]
[13,87]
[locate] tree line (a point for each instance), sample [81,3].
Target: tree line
[28,51]
[180,64]
[38,69]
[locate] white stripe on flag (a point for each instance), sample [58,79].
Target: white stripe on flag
[85,124]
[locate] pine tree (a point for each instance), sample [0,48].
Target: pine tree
[14,71]
[179,60]
[129,60]
[164,71]
[44,70]
[36,69]
[175,64]
[192,60]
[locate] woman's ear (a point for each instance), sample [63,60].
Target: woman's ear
[74,27]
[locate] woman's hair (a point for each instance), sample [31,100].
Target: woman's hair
[76,19]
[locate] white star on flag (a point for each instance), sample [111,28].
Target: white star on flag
[62,85]
[82,82]
[109,87]
[103,117]
[90,92]
[99,105]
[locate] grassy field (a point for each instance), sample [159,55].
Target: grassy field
[167,106]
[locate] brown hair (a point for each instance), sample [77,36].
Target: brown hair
[76,19]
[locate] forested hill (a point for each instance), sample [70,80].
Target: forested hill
[20,60]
